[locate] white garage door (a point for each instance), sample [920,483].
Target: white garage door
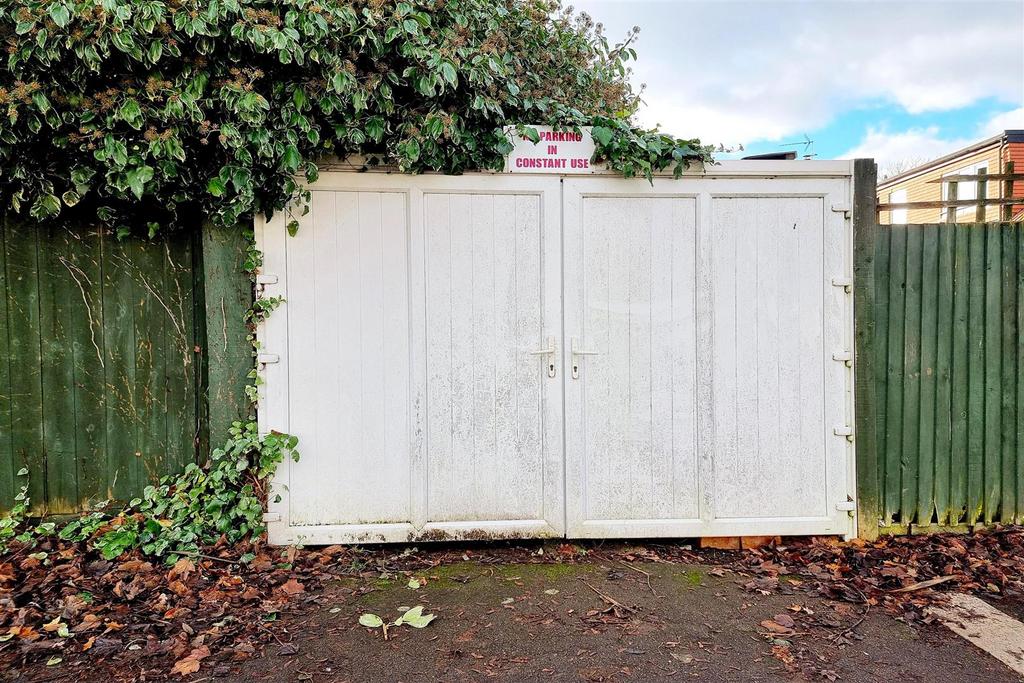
[517,356]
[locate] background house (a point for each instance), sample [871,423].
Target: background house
[1002,153]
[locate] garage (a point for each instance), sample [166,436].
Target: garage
[581,356]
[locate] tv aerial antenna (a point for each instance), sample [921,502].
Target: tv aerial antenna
[806,143]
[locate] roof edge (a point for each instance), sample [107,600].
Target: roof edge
[929,165]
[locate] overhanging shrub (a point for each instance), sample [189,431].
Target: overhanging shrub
[149,107]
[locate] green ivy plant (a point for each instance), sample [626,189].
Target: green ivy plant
[144,111]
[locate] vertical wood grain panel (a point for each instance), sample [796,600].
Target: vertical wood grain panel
[880,312]
[1008,374]
[8,464]
[959,375]
[912,374]
[993,416]
[976,377]
[56,307]
[638,268]
[894,375]
[484,284]
[929,369]
[23,333]
[99,400]
[944,304]
[750,281]
[180,418]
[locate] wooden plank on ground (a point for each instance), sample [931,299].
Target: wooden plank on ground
[986,627]
[720,542]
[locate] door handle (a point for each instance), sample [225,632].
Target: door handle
[577,351]
[550,350]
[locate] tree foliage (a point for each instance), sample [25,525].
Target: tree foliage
[149,108]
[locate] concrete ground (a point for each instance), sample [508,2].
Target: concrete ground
[603,621]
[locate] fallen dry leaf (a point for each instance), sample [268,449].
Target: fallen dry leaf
[190,664]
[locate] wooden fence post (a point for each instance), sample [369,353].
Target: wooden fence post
[951,195]
[981,195]
[1007,209]
[865,229]
[224,293]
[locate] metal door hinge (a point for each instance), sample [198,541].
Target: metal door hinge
[271,516]
[842,208]
[266,279]
[845,282]
[845,356]
[267,358]
[846,506]
[844,430]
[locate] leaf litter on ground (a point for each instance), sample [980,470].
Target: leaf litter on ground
[72,609]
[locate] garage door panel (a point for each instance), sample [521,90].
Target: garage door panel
[484,391]
[637,420]
[347,304]
[694,389]
[768,357]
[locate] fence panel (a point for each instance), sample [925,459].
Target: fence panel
[948,363]
[104,375]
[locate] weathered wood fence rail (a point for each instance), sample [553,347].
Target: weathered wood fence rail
[109,353]
[948,376]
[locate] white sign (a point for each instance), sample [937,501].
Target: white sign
[555,152]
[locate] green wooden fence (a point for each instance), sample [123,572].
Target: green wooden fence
[105,375]
[948,376]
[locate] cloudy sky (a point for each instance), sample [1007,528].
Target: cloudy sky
[897,80]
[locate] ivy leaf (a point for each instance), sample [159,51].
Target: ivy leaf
[291,158]
[137,179]
[602,135]
[415,618]
[448,72]
[375,128]
[371,621]
[60,14]
[531,134]
[216,187]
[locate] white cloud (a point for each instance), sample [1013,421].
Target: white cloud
[917,145]
[1009,120]
[736,72]
[908,147]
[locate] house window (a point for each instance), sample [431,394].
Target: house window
[898,216]
[965,189]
